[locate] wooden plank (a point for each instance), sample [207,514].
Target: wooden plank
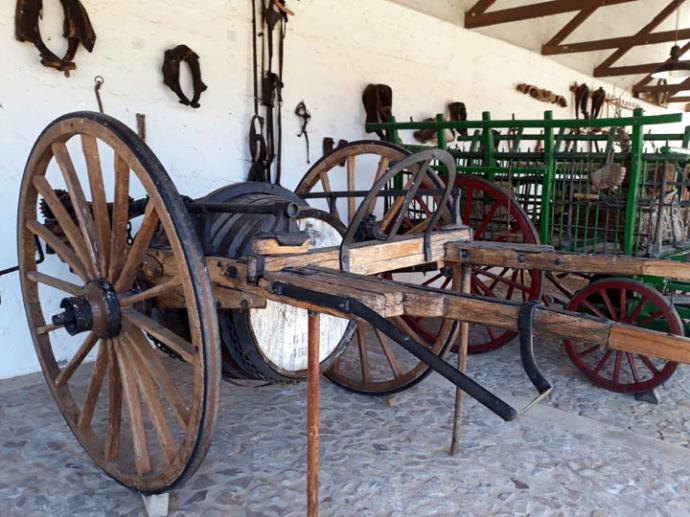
[536,257]
[539,10]
[373,257]
[552,48]
[273,247]
[646,68]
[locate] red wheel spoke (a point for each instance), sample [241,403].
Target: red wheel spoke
[446,282]
[633,367]
[490,331]
[485,221]
[617,367]
[483,287]
[623,304]
[602,362]
[504,280]
[595,310]
[650,318]
[588,351]
[609,305]
[433,279]
[509,295]
[468,206]
[649,364]
[636,311]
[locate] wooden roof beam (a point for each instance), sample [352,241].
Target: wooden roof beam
[647,68]
[647,29]
[648,78]
[679,99]
[603,44]
[475,17]
[670,88]
[568,29]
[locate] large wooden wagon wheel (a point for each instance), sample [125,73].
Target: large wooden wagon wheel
[632,302]
[372,364]
[494,215]
[146,419]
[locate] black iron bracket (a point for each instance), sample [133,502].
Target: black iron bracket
[350,306]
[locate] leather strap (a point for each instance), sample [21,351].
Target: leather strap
[171,73]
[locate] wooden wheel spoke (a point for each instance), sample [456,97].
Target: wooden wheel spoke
[80,206]
[138,249]
[180,346]
[609,305]
[73,234]
[649,364]
[485,221]
[61,285]
[142,458]
[118,241]
[467,209]
[633,367]
[650,318]
[149,358]
[60,248]
[395,207]
[363,353]
[417,228]
[66,374]
[351,206]
[433,279]
[602,362]
[112,439]
[623,304]
[637,310]
[100,368]
[588,351]
[163,288]
[326,183]
[99,203]
[149,394]
[617,367]
[594,309]
[400,321]
[388,352]
[381,169]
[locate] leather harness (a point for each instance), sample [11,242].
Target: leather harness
[171,73]
[77,29]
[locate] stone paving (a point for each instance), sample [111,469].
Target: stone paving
[584,451]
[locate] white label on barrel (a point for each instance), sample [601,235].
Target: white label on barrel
[281,329]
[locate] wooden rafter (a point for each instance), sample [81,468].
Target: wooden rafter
[603,67]
[477,16]
[646,68]
[648,78]
[667,88]
[552,48]
[679,99]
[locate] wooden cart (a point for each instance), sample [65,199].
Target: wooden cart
[166,293]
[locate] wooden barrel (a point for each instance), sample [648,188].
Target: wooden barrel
[269,344]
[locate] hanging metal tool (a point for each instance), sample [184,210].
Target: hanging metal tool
[302,112]
[97,89]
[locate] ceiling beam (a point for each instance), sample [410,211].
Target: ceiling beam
[550,48]
[679,99]
[648,78]
[647,68]
[568,29]
[480,7]
[653,24]
[478,18]
[670,88]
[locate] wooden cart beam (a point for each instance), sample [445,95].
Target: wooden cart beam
[530,256]
[550,48]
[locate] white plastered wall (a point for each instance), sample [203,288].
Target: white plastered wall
[333,49]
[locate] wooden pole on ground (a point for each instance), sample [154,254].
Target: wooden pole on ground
[313,415]
[465,277]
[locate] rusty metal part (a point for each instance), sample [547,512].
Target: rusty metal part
[171,73]
[97,89]
[314,337]
[141,126]
[77,29]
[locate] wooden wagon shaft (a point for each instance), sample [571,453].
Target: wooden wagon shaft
[534,256]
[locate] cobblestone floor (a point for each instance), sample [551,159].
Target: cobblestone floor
[581,452]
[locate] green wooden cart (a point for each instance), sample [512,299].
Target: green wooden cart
[614,186]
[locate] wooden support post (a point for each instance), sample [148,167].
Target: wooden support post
[463,277]
[313,415]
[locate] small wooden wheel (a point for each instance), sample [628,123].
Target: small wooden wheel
[632,302]
[150,425]
[372,364]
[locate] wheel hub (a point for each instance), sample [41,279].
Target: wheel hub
[97,310]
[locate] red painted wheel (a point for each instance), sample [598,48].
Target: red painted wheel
[496,216]
[632,302]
